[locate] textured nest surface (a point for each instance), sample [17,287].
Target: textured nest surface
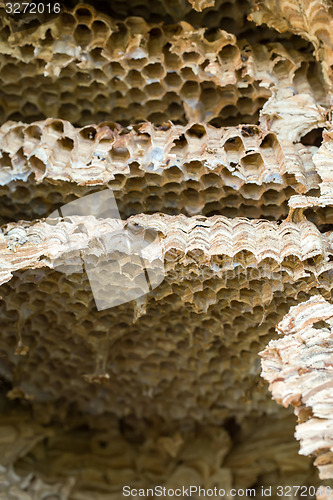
[299,369]
[211,124]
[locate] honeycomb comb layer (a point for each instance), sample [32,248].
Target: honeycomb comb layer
[227,283]
[19,435]
[89,67]
[79,464]
[166,388]
[298,367]
[219,14]
[312,19]
[15,487]
[194,169]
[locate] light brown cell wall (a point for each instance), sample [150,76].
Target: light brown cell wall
[210,123]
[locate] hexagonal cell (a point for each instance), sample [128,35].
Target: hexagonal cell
[155,43]
[11,73]
[188,74]
[191,57]
[252,166]
[210,180]
[197,130]
[27,52]
[246,105]
[134,78]
[229,54]
[171,60]
[37,165]
[138,63]
[194,168]
[65,144]
[173,80]
[68,22]
[97,56]
[87,134]
[234,147]
[179,144]
[119,154]
[83,35]
[55,127]
[209,96]
[155,90]
[33,132]
[118,38]
[190,90]
[100,30]
[153,71]
[282,69]
[252,191]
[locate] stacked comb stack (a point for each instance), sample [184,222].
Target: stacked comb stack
[166,211]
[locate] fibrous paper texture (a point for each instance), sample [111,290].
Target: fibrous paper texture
[166,217]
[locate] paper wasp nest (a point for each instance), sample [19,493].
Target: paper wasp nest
[299,370]
[206,143]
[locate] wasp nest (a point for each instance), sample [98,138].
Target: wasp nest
[299,370]
[202,130]
[197,169]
